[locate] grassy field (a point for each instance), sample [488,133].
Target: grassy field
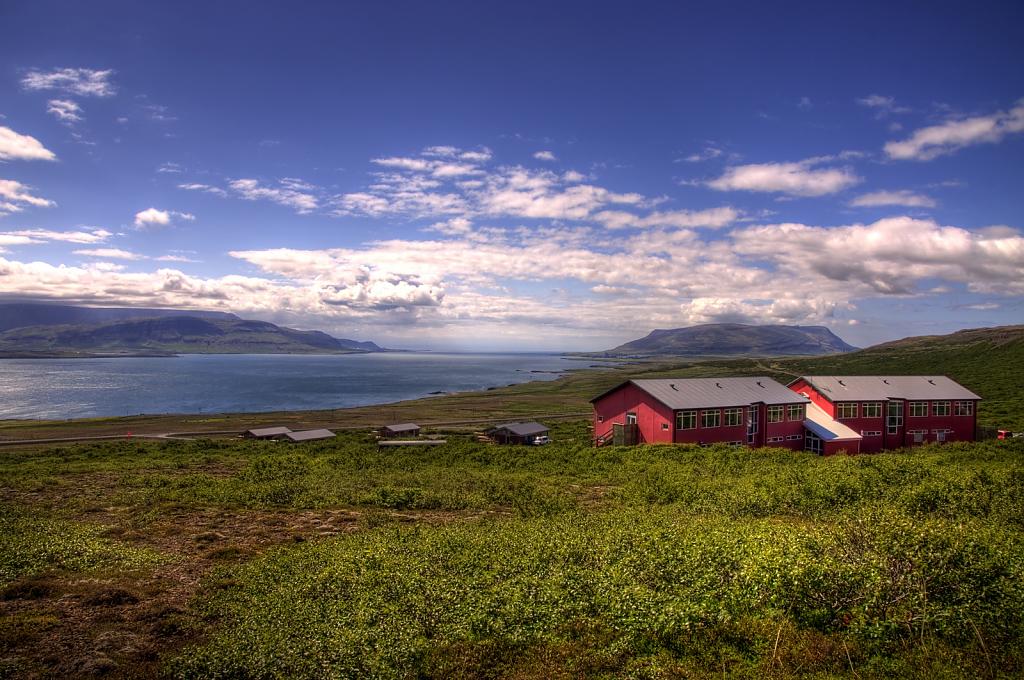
[228,558]
[258,559]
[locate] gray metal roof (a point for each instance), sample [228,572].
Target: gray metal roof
[267,431]
[523,429]
[687,393]
[308,435]
[402,427]
[880,387]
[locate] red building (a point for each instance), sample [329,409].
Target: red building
[891,412]
[748,411]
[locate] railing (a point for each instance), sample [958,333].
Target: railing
[605,438]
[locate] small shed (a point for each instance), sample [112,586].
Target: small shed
[306,435]
[266,432]
[518,433]
[400,430]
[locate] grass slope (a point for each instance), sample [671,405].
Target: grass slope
[258,559]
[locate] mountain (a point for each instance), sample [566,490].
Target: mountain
[77,331]
[22,314]
[734,339]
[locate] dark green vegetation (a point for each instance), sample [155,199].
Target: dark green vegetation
[44,330]
[731,339]
[248,559]
[470,560]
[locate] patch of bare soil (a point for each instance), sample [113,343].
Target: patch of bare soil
[123,625]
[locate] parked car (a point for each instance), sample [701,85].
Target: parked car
[541,440]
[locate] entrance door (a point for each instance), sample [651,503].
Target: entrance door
[752,425]
[813,443]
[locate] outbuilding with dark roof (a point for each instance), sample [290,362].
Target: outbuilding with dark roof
[518,433]
[400,430]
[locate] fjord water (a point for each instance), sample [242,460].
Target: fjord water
[206,383]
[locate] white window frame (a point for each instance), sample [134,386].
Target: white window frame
[776,414]
[871,409]
[916,406]
[941,409]
[963,408]
[704,418]
[690,414]
[843,407]
[798,409]
[794,437]
[732,417]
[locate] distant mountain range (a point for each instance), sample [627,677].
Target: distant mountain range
[28,329]
[734,339]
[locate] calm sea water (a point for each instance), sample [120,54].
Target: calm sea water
[198,383]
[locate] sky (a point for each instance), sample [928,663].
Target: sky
[522,175]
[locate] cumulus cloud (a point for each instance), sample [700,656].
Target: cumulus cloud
[152,217]
[931,142]
[110,253]
[81,81]
[882,105]
[902,197]
[65,110]
[545,156]
[14,196]
[291,193]
[802,178]
[33,236]
[14,146]
[195,186]
[683,219]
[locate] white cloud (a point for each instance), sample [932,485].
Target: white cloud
[14,196]
[805,103]
[33,236]
[81,81]
[681,219]
[152,217]
[708,153]
[795,179]
[14,146]
[882,105]
[938,140]
[291,193]
[65,110]
[110,253]
[194,186]
[902,197]
[170,168]
[545,156]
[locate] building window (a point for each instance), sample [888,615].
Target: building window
[794,437]
[894,417]
[600,419]
[733,417]
[752,420]
[871,409]
[963,408]
[846,410]
[664,426]
[796,412]
[918,409]
[870,433]
[630,419]
[940,408]
[710,418]
[735,443]
[686,420]
[775,414]
[772,440]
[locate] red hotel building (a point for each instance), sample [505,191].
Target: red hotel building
[748,411]
[890,412]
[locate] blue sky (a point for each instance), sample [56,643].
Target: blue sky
[527,176]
